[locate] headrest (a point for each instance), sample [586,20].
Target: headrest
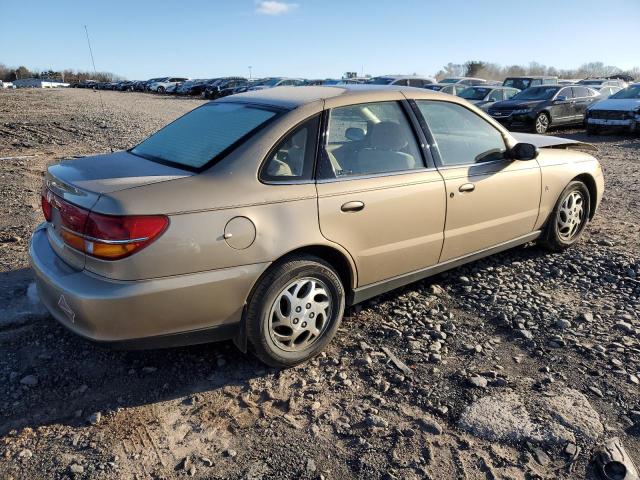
[387,136]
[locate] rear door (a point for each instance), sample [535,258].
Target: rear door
[376,195]
[490,199]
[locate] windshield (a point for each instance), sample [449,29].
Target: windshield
[381,81]
[536,93]
[474,93]
[519,83]
[630,92]
[271,82]
[591,82]
[450,80]
[198,137]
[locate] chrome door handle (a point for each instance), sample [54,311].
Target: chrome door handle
[467,187]
[355,206]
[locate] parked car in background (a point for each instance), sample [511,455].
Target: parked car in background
[192,87]
[126,86]
[402,80]
[161,85]
[540,108]
[224,87]
[522,83]
[621,111]
[277,82]
[484,97]
[603,82]
[606,91]
[7,85]
[250,219]
[568,81]
[450,88]
[468,81]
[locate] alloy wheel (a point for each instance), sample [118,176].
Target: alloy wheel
[300,314]
[571,216]
[542,123]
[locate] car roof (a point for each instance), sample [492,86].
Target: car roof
[292,97]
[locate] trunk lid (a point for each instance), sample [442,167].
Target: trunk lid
[83,181]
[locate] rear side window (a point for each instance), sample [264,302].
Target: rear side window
[293,157]
[462,136]
[495,96]
[581,92]
[198,137]
[369,138]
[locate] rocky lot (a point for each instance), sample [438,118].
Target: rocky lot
[514,367]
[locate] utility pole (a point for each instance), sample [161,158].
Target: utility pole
[250,67]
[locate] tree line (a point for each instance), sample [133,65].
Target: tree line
[493,71]
[9,74]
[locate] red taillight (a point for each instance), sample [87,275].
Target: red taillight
[103,236]
[111,237]
[45,201]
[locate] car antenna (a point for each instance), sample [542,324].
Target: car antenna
[95,73]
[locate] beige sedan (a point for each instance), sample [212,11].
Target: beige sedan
[260,216]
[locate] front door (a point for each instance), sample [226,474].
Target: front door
[376,196]
[490,199]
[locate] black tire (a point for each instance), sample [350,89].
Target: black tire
[591,130]
[553,237]
[160,89]
[270,287]
[542,123]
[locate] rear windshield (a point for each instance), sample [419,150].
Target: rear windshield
[198,137]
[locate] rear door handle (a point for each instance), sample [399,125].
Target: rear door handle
[354,206]
[467,187]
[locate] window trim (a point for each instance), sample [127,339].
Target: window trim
[274,147]
[433,145]
[428,162]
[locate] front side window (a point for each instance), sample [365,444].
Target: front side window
[369,138]
[198,137]
[519,83]
[462,136]
[293,158]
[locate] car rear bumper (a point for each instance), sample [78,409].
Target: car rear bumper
[178,310]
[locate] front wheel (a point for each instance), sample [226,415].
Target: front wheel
[591,130]
[160,89]
[294,311]
[542,123]
[569,217]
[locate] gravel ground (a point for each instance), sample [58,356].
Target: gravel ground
[513,367]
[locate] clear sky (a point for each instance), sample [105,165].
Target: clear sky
[314,38]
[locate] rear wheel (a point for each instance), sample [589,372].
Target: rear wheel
[294,311]
[542,123]
[569,217]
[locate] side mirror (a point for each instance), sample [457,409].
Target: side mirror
[523,151]
[561,98]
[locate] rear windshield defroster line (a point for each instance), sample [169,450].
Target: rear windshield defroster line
[205,135]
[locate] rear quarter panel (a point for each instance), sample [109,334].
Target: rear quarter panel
[558,168]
